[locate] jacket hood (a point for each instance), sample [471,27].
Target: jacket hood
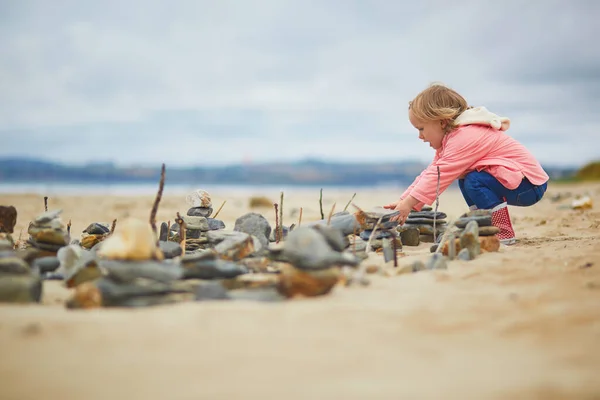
[481,116]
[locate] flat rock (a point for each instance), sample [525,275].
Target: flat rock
[423,221]
[232,245]
[11,264]
[46,264]
[199,198]
[129,271]
[200,212]
[196,223]
[170,249]
[212,268]
[427,215]
[97,228]
[46,217]
[215,224]
[481,220]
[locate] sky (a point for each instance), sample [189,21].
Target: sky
[199,82]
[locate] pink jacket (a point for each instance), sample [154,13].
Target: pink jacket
[476,148]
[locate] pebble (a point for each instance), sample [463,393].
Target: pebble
[232,245]
[20,289]
[170,249]
[8,218]
[254,224]
[200,212]
[437,261]
[96,228]
[469,239]
[46,264]
[199,198]
[410,237]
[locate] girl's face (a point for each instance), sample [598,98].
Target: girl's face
[431,132]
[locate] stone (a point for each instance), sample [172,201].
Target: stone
[195,223]
[294,282]
[437,261]
[480,220]
[357,244]
[46,264]
[382,226]
[469,239]
[427,215]
[451,249]
[104,292]
[377,213]
[254,281]
[11,264]
[20,289]
[200,212]
[308,249]
[52,248]
[477,213]
[163,235]
[88,272]
[489,243]
[333,236]
[212,268]
[211,291]
[268,295]
[410,237]
[423,221]
[424,229]
[199,198]
[426,238]
[170,249]
[96,228]
[89,241]
[464,255]
[254,224]
[230,245]
[46,217]
[348,224]
[215,224]
[486,230]
[128,271]
[133,239]
[366,234]
[8,218]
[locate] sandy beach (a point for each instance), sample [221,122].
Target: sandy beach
[520,323]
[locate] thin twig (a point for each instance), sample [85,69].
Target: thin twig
[445,236]
[300,217]
[276,223]
[181,223]
[395,248]
[373,234]
[321,204]
[168,229]
[349,202]
[437,203]
[281,217]
[45,203]
[330,214]
[354,242]
[113,226]
[161,186]
[69,228]
[220,208]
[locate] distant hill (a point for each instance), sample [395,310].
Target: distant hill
[589,172]
[305,172]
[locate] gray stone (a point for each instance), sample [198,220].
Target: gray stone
[170,249]
[200,212]
[366,234]
[423,221]
[46,264]
[469,239]
[480,220]
[128,271]
[254,224]
[333,236]
[346,223]
[196,223]
[209,266]
[427,215]
[308,249]
[164,232]
[20,289]
[232,245]
[11,264]
[464,255]
[97,228]
[46,217]
[410,237]
[215,224]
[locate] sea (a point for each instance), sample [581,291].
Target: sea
[141,189]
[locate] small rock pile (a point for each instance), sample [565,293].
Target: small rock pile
[94,234]
[47,233]
[418,227]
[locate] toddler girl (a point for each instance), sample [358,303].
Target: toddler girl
[493,169]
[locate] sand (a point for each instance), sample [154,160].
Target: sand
[521,323]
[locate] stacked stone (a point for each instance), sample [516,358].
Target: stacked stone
[418,227]
[47,233]
[18,282]
[197,222]
[94,234]
[378,222]
[483,218]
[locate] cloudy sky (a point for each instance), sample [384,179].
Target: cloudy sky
[229,81]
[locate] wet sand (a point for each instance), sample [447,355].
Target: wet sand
[520,323]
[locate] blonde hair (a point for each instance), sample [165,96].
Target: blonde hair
[438,103]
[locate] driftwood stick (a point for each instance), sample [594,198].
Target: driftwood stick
[300,217]
[161,186]
[181,223]
[220,208]
[330,214]
[437,203]
[276,223]
[281,217]
[321,204]
[350,202]
[113,226]
[45,203]
[69,228]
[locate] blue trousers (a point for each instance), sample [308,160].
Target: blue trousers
[484,191]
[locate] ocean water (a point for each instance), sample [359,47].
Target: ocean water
[137,189]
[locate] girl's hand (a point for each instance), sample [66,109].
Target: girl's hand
[403,208]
